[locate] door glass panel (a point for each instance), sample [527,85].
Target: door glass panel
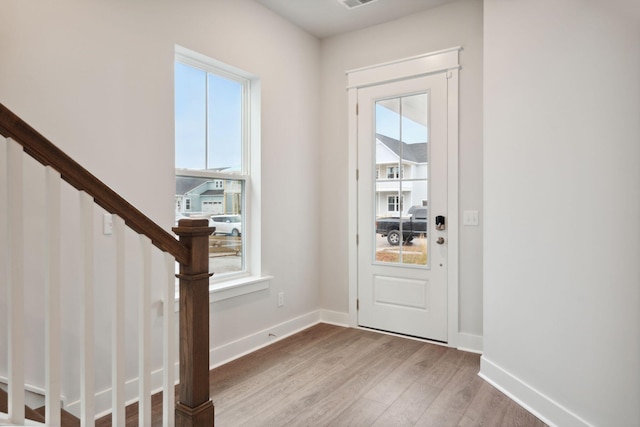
[401,180]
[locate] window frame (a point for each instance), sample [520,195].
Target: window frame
[250,279]
[393,201]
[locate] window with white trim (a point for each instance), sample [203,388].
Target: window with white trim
[213,140]
[393,203]
[392,172]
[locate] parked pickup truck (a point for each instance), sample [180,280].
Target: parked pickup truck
[414,225]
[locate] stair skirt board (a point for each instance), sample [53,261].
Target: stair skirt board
[29,413]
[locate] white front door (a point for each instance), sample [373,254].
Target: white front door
[402,195]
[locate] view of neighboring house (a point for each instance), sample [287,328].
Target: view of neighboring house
[400,185]
[207,196]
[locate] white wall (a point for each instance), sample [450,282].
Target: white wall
[561,186]
[97,79]
[454,24]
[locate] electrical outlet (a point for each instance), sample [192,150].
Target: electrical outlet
[280,299]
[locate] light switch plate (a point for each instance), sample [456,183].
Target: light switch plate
[470,218]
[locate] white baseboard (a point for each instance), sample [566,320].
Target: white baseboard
[334,318]
[250,343]
[540,405]
[469,342]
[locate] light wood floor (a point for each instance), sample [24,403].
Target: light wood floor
[333,376]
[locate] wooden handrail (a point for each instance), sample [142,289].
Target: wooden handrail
[45,152]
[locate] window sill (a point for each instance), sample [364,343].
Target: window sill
[220,291]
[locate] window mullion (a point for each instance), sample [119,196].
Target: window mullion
[206,121]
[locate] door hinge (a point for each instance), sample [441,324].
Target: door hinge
[357,174]
[357,109]
[357,239]
[358,304]
[448,74]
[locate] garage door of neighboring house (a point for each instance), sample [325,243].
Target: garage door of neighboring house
[212,207]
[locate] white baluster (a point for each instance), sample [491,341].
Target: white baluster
[168,349]
[52,292]
[15,298]
[118,333]
[144,336]
[87,357]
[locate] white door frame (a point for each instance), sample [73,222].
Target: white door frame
[435,62]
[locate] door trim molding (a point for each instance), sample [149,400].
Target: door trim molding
[414,66]
[443,61]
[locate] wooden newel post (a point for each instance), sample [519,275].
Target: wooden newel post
[194,407]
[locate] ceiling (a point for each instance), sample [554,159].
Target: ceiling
[326,18]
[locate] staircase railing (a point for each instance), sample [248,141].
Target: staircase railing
[194,407]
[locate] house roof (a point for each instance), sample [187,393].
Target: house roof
[184,184]
[412,152]
[212,193]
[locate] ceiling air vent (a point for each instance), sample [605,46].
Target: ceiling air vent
[350,4]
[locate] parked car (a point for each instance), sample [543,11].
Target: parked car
[414,225]
[230,225]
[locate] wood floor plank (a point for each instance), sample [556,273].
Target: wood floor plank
[449,407]
[362,413]
[394,384]
[488,406]
[264,358]
[339,399]
[516,417]
[390,352]
[491,407]
[286,397]
[440,373]
[313,393]
[410,406]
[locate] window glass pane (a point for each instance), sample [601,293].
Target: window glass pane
[190,113]
[401,201]
[225,124]
[221,202]
[415,137]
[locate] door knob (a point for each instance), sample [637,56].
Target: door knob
[440,240]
